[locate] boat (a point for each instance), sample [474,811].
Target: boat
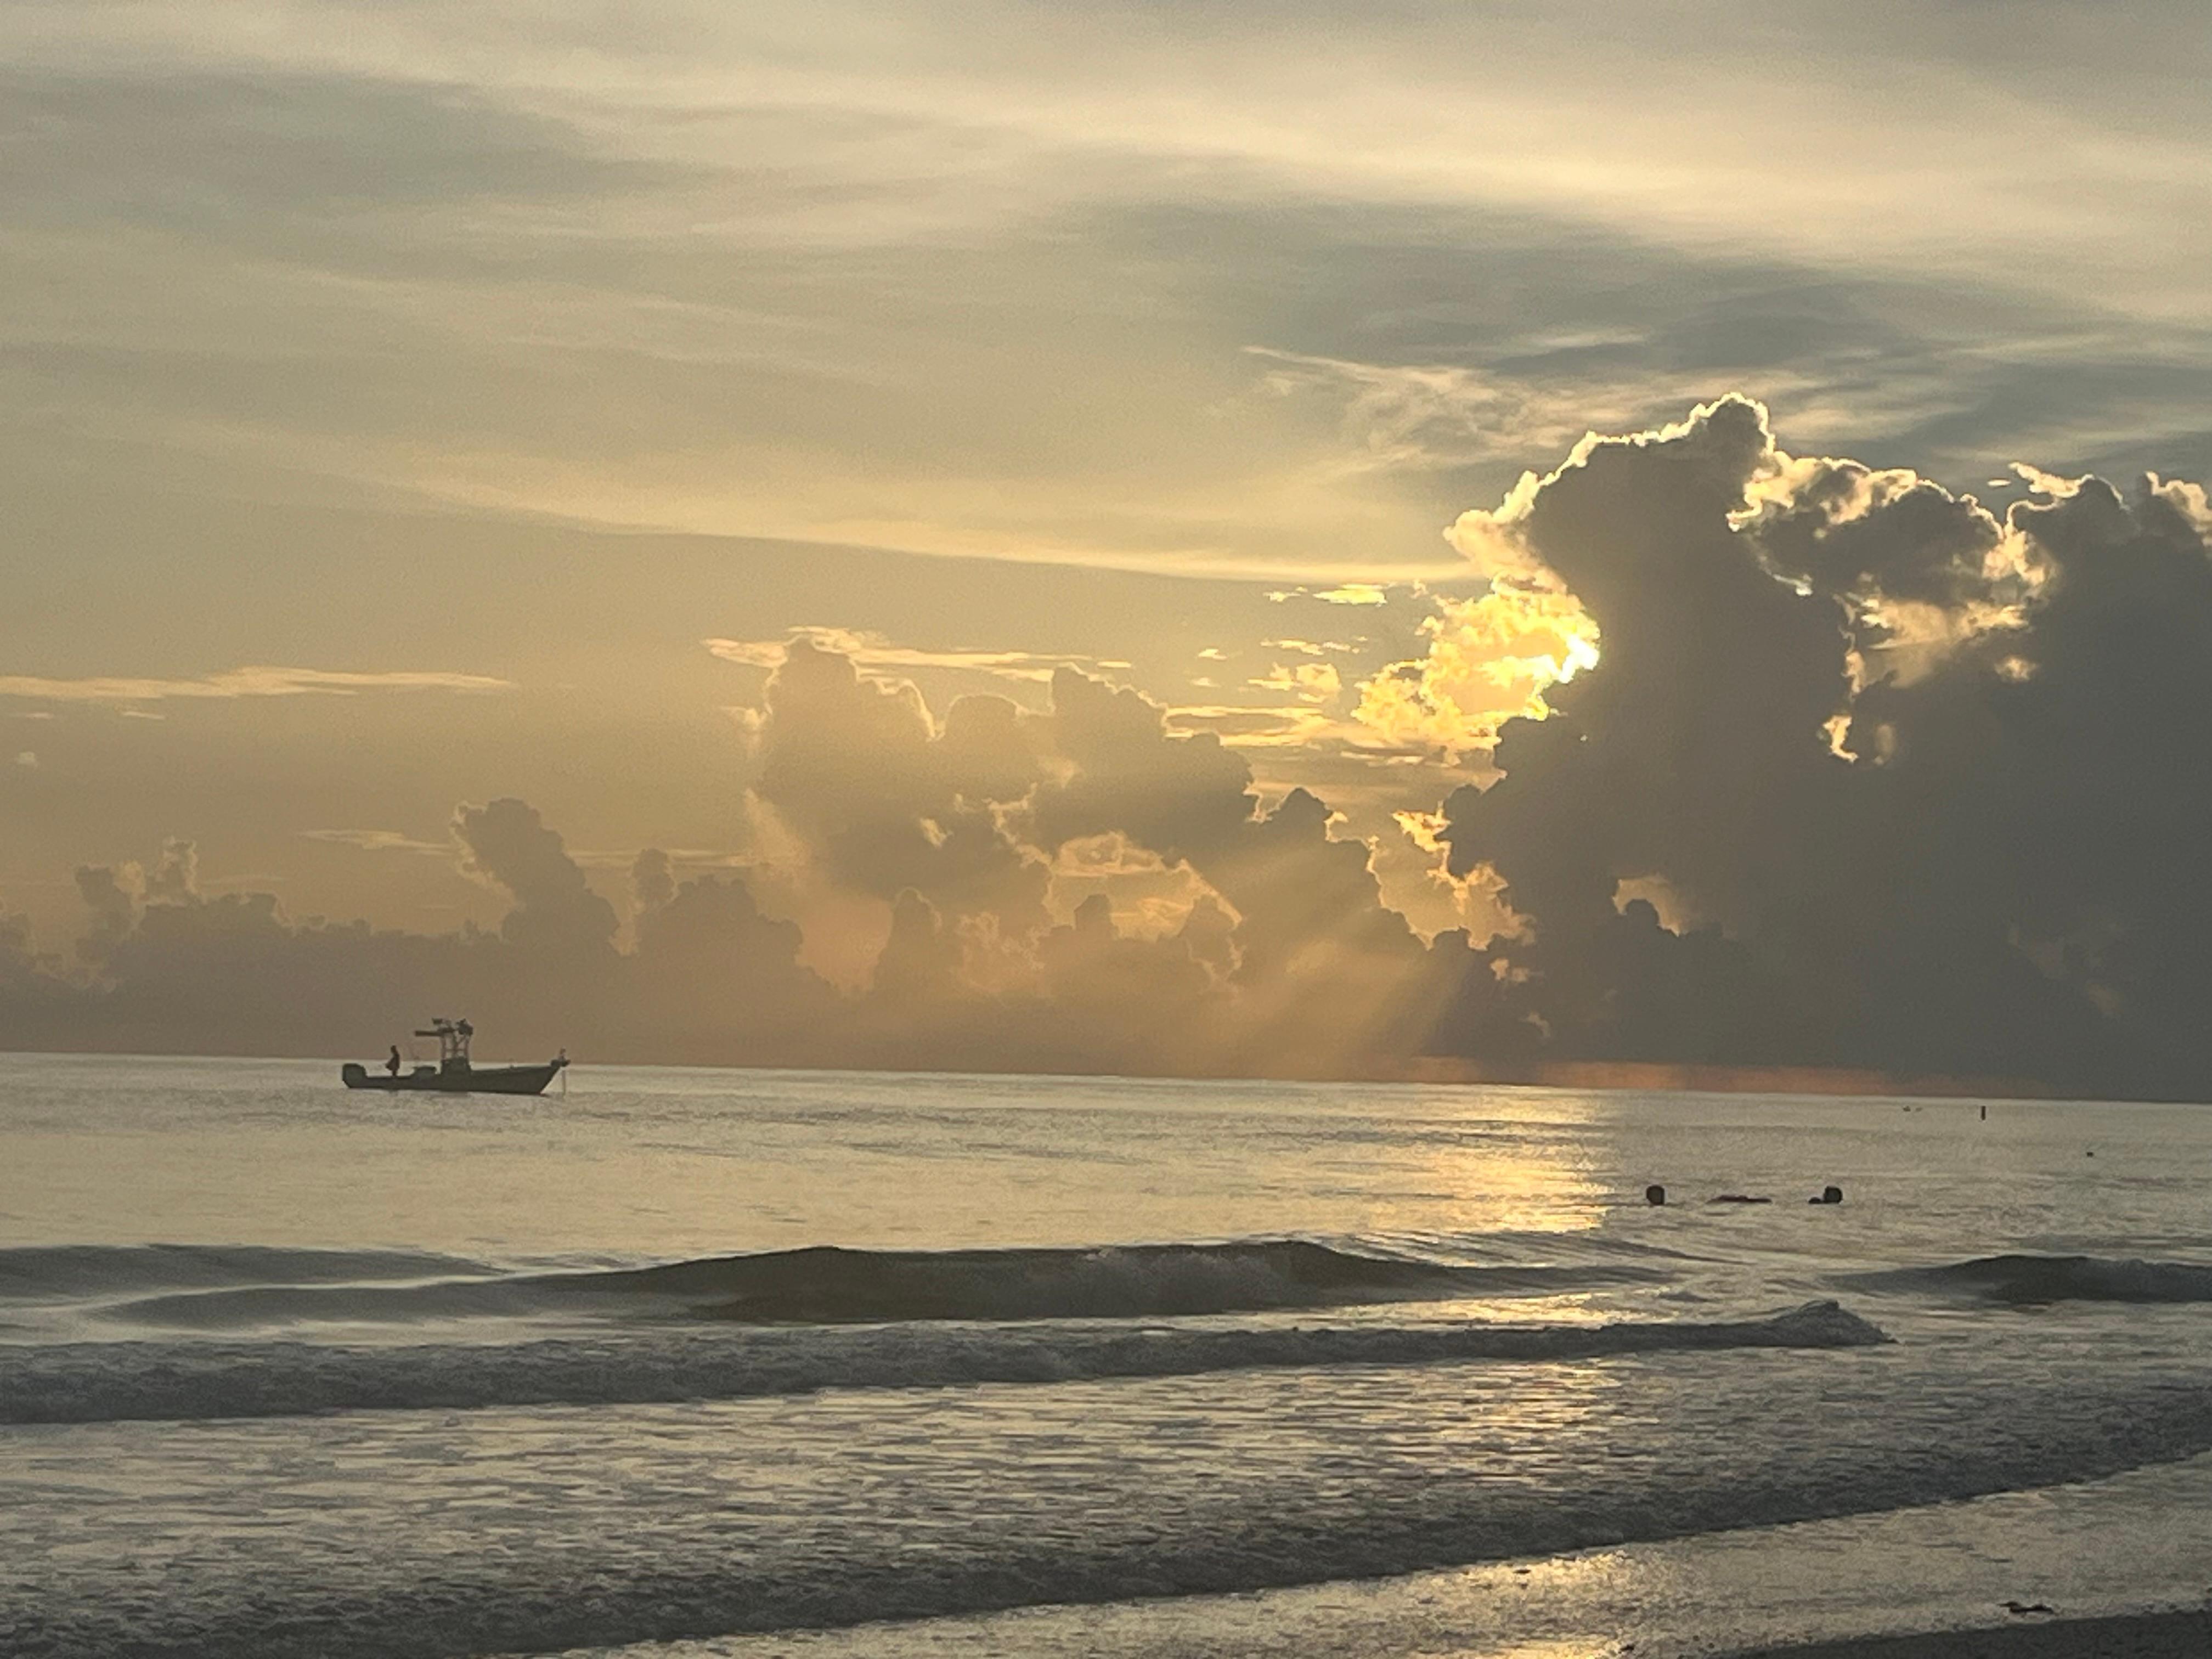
[453,1073]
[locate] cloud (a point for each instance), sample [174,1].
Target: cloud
[1309,682]
[250,682]
[1442,416]
[874,651]
[1343,593]
[380,840]
[1263,727]
[175,877]
[748,653]
[507,844]
[1850,770]
[2002,884]
[1489,660]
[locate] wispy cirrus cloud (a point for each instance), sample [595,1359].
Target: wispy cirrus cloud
[398,841]
[871,650]
[254,681]
[380,840]
[1343,593]
[1242,727]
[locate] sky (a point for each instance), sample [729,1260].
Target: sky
[507,503]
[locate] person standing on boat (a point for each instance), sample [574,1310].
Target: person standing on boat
[392,1064]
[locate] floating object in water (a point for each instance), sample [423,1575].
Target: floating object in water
[1737,1198]
[1828,1195]
[453,1073]
[1654,1196]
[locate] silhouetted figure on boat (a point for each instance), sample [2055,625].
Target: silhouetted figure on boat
[392,1064]
[1828,1195]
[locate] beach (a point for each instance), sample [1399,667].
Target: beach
[730,1364]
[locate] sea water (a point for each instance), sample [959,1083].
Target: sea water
[738,1363]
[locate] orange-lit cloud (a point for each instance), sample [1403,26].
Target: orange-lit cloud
[1489,659]
[1309,682]
[874,651]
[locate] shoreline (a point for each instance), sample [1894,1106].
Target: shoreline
[2184,1633]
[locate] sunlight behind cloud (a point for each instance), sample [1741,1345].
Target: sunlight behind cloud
[1489,660]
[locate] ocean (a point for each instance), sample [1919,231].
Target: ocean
[694,1363]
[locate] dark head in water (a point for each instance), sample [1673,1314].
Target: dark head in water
[1654,1196]
[1828,1195]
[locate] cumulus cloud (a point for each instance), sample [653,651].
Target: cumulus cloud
[1078,887]
[1489,659]
[2008,881]
[885,799]
[1790,761]
[507,844]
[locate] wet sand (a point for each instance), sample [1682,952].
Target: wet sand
[2142,1636]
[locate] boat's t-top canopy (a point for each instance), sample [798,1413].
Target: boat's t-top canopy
[452,1037]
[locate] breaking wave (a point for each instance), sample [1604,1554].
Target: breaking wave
[80,1382]
[2039,1279]
[828,1285]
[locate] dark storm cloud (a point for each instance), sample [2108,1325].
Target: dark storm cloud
[2010,877]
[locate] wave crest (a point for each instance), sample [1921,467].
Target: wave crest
[2029,1279]
[827,1284]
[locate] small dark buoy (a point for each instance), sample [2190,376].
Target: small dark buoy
[1654,1196]
[1828,1195]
